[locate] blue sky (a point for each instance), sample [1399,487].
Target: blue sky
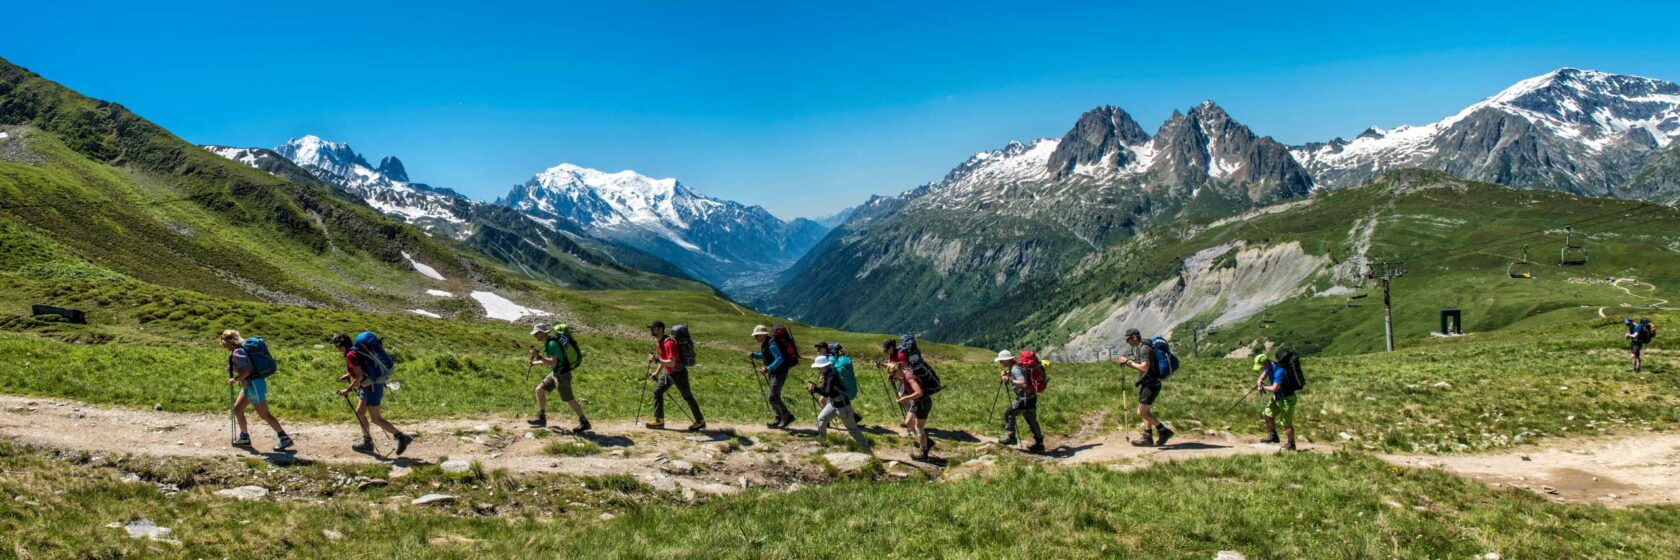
[802,107]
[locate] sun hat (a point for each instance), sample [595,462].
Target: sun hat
[821,362]
[761,330]
[1260,361]
[1005,356]
[539,328]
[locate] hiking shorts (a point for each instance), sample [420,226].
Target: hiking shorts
[922,407]
[1147,393]
[1281,409]
[374,394]
[256,391]
[1636,346]
[561,382]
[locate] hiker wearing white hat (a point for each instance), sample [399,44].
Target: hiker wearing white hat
[839,393]
[1020,374]
[779,354]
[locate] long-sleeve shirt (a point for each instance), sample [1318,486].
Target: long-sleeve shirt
[832,388]
[771,355]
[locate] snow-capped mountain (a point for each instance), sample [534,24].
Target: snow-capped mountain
[1581,131]
[727,243]
[385,187]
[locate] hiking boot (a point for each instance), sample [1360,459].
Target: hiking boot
[1163,433]
[284,445]
[1145,440]
[583,426]
[1271,438]
[773,424]
[1037,447]
[366,446]
[1008,440]
[697,426]
[1289,446]
[402,442]
[656,424]
[244,440]
[538,422]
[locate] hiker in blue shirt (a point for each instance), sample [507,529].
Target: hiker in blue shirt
[775,370]
[1274,379]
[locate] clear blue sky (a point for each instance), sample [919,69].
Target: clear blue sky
[802,108]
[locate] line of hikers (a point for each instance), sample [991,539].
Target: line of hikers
[910,383]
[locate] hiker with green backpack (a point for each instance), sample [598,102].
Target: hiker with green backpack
[562,355]
[839,387]
[1157,365]
[368,368]
[1282,378]
[249,366]
[1025,375]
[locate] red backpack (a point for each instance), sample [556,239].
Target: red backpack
[784,340]
[1036,376]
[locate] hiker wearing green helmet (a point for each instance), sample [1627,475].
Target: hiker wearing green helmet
[1275,379]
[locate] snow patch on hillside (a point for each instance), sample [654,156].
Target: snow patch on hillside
[424,313]
[439,293]
[424,270]
[498,307]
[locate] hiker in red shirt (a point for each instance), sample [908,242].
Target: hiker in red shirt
[671,372]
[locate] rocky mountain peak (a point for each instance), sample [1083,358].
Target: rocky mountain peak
[1099,141]
[392,167]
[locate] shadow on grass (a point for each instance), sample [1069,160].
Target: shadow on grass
[604,440]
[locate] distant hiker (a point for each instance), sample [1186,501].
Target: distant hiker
[368,369]
[1021,378]
[1150,375]
[249,365]
[779,354]
[672,372]
[839,394]
[561,353]
[912,395]
[1277,380]
[1639,334]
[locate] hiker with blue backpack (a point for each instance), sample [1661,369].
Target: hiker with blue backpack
[1639,334]
[249,366]
[1157,365]
[839,388]
[562,355]
[368,370]
[1025,375]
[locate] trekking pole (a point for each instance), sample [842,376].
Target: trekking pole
[352,409]
[763,388]
[233,423]
[532,358]
[1239,401]
[643,399]
[995,395]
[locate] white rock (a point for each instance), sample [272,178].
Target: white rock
[455,466]
[400,472]
[1442,385]
[847,462]
[1229,555]
[432,499]
[144,528]
[607,516]
[678,467]
[244,493]
[1491,556]
[331,535]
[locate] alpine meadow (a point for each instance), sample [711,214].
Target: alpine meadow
[226,332]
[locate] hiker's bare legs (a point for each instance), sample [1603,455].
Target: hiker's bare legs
[1149,421]
[1271,426]
[919,426]
[239,411]
[373,416]
[542,401]
[262,411]
[361,419]
[576,408]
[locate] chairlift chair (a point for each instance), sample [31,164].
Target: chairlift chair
[1523,269]
[1571,254]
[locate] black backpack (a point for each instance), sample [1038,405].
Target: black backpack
[1291,363]
[685,345]
[1647,331]
[925,375]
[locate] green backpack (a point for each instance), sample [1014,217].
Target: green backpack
[571,356]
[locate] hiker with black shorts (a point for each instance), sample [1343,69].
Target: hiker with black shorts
[775,370]
[1639,334]
[559,378]
[670,373]
[1148,383]
[1025,404]
[253,387]
[919,404]
[889,348]
[370,389]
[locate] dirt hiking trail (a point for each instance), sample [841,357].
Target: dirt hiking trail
[723,459]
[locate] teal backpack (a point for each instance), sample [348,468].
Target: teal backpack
[848,379]
[256,349]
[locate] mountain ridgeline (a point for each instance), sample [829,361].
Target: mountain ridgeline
[1019,224]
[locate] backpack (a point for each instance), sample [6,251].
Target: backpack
[685,345]
[925,375]
[262,362]
[783,340]
[1037,378]
[1647,331]
[907,345]
[848,379]
[1291,363]
[570,354]
[376,363]
[1166,361]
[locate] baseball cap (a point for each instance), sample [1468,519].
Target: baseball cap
[1260,361]
[1133,332]
[539,328]
[656,325]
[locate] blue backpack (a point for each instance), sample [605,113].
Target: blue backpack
[375,362]
[256,349]
[1165,360]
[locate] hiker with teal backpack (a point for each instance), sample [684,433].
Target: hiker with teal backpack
[835,352]
[1282,378]
[562,355]
[1157,365]
[249,366]
[779,354]
[368,369]
[839,392]
[1025,375]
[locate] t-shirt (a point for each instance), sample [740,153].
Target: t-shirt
[239,363]
[552,350]
[1018,374]
[1151,374]
[352,362]
[904,388]
[668,351]
[1280,377]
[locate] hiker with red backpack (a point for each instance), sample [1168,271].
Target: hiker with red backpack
[1025,375]
[368,370]
[1157,364]
[673,354]
[249,366]
[560,353]
[779,354]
